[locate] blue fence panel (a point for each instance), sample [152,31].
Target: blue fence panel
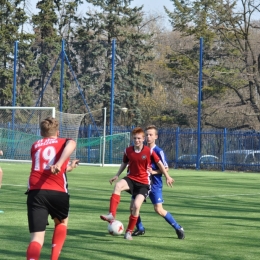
[180,146]
[220,149]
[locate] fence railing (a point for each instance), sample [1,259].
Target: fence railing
[219,149]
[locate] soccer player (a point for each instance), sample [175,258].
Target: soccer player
[1,171]
[137,182]
[48,190]
[156,195]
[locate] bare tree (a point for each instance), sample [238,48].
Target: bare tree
[230,67]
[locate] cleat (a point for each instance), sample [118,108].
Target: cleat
[109,217]
[128,236]
[138,232]
[180,233]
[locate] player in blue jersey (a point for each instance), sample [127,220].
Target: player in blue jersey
[156,195]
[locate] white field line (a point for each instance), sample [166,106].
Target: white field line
[191,196]
[222,195]
[25,186]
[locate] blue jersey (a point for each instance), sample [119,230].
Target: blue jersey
[157,182]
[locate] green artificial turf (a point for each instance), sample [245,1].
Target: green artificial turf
[218,210]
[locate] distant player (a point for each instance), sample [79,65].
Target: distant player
[156,195]
[1,171]
[48,190]
[137,182]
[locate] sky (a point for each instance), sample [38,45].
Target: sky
[149,6]
[154,5]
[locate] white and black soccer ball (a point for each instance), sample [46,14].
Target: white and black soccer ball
[115,228]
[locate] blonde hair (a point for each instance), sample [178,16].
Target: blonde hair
[49,127]
[149,127]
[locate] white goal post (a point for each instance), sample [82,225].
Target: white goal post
[32,108]
[20,128]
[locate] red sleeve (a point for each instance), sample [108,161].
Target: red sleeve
[155,157]
[125,158]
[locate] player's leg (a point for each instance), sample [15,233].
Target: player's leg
[157,200]
[140,191]
[59,211]
[59,237]
[35,246]
[37,218]
[140,230]
[1,177]
[122,185]
[139,199]
[158,208]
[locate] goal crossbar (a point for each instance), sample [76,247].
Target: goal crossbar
[32,108]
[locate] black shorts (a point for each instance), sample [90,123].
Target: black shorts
[137,187]
[41,203]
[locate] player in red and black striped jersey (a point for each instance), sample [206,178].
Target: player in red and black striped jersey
[48,190]
[137,182]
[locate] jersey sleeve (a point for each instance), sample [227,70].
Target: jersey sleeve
[155,157]
[125,158]
[163,158]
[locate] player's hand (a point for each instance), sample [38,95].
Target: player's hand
[55,169]
[113,179]
[150,170]
[1,152]
[169,181]
[74,163]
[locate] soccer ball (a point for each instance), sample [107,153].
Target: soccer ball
[115,228]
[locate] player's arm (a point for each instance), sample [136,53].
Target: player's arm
[120,170]
[162,157]
[153,172]
[67,151]
[169,179]
[73,165]
[1,152]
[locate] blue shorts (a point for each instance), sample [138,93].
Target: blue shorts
[156,196]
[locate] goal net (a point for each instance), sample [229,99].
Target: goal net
[102,150]
[20,128]
[69,127]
